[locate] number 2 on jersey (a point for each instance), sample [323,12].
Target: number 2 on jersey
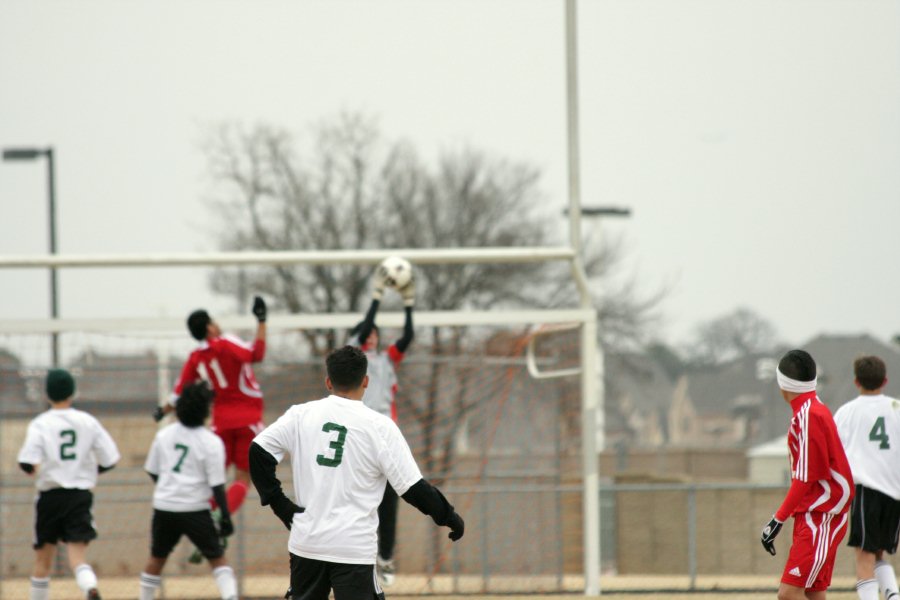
[66,449]
[879,434]
[336,445]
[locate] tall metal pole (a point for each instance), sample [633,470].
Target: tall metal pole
[590,353]
[54,284]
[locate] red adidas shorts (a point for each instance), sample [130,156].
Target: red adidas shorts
[237,444]
[813,550]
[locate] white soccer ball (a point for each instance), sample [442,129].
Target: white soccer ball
[396,271]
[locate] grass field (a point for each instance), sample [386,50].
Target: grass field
[445,588]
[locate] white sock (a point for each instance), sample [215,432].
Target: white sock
[149,585]
[867,589]
[85,578]
[40,588]
[887,580]
[227,583]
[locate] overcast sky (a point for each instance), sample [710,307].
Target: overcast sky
[757,142]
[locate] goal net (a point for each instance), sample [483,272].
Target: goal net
[504,446]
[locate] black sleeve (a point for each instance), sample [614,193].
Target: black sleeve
[28,468]
[430,501]
[403,343]
[101,469]
[368,323]
[262,472]
[221,500]
[153,476]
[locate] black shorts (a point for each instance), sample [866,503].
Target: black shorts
[198,526]
[874,521]
[63,515]
[312,580]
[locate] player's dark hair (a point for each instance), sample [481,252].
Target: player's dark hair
[346,368]
[197,322]
[799,365]
[192,407]
[870,372]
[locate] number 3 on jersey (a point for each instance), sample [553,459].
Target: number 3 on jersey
[336,445]
[879,434]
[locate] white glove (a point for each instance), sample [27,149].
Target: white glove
[379,282]
[408,292]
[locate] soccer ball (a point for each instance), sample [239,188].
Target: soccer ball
[396,271]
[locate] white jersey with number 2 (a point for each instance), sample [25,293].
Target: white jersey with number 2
[68,444]
[342,454]
[869,427]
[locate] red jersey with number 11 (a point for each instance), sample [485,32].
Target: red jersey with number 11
[224,362]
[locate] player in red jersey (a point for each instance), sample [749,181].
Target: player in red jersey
[821,485]
[224,361]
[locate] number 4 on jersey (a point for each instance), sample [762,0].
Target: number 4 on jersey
[879,434]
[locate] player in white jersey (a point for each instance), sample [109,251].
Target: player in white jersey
[187,462]
[869,426]
[342,456]
[381,396]
[66,448]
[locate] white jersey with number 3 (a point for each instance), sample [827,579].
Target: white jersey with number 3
[189,462]
[342,454]
[68,444]
[869,427]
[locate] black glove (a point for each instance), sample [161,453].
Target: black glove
[769,533]
[285,510]
[259,309]
[457,526]
[226,527]
[158,414]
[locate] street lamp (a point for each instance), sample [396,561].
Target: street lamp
[23,154]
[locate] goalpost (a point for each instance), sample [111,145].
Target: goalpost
[583,320]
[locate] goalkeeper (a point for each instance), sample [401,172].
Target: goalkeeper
[380,396]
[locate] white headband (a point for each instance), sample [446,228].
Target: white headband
[792,385]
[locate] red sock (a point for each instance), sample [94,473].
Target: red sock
[235,495]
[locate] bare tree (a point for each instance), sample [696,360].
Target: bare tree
[739,333]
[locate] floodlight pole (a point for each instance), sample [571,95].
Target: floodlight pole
[591,355]
[22,154]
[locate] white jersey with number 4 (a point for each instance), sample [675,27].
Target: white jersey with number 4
[68,444]
[869,427]
[342,454]
[189,462]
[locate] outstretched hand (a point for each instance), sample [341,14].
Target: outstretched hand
[259,309]
[408,292]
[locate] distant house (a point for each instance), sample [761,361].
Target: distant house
[834,356]
[733,404]
[638,401]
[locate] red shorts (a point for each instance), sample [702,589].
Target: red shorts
[813,550]
[237,443]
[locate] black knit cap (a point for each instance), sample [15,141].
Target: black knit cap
[60,385]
